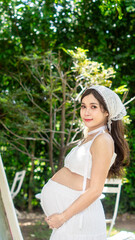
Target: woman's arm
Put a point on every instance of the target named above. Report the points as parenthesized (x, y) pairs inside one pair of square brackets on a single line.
[(101, 150)]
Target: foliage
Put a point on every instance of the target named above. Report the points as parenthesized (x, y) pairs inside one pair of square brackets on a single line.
[(37, 115), (104, 28), (92, 72)]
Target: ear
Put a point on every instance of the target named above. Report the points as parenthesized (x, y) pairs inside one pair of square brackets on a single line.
[(107, 114)]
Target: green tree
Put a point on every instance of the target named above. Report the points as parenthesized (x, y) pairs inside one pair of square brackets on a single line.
[(105, 28), (47, 95)]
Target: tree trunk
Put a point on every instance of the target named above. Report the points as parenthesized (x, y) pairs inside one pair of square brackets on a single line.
[(51, 129), (62, 149), (31, 178)]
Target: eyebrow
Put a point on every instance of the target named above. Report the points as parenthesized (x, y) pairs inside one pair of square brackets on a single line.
[(90, 103)]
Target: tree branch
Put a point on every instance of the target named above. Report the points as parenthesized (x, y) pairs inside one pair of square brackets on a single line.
[(129, 101)]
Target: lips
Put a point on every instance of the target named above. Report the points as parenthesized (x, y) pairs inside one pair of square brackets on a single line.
[(87, 120)]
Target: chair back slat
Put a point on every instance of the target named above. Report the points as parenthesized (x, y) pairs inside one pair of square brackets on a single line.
[(17, 183), (110, 190), (113, 186)]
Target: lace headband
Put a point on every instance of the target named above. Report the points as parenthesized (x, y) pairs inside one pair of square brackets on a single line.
[(114, 104)]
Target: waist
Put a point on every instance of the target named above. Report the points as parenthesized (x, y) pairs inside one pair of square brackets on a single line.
[(70, 179)]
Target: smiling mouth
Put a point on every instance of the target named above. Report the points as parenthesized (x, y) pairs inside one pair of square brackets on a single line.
[(87, 120)]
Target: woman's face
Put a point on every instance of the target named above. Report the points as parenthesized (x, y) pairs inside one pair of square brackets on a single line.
[(92, 114)]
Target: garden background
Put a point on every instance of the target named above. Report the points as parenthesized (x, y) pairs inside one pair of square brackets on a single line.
[(49, 52)]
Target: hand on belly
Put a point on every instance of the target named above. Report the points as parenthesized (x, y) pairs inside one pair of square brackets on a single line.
[(55, 220)]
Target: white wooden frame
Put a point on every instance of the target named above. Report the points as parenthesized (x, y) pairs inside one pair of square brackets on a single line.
[(113, 189), (17, 183), (9, 209), (16, 186)]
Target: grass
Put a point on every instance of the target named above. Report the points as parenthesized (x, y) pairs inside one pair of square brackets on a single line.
[(41, 231), (115, 231)]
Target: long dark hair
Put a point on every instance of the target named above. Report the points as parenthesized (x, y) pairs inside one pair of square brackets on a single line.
[(117, 133)]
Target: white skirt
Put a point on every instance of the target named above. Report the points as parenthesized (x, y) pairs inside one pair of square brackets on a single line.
[(87, 225)]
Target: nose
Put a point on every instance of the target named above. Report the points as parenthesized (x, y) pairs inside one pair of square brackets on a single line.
[(87, 112)]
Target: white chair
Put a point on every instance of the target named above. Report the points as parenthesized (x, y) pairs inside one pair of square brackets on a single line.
[(38, 196), (17, 183), (16, 186), (113, 186), (123, 235)]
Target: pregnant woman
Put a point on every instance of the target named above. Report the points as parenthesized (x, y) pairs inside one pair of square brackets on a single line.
[(70, 199)]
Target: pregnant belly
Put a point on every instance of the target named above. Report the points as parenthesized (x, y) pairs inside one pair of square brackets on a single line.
[(61, 190), (55, 197)]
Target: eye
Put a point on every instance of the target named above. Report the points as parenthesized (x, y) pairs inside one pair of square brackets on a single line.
[(82, 106), (93, 106)]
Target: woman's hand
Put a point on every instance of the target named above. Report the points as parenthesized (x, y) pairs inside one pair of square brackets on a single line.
[(55, 220)]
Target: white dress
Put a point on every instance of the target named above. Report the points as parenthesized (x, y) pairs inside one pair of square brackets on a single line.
[(55, 198)]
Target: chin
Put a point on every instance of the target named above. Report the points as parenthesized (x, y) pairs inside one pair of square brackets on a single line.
[(94, 125)]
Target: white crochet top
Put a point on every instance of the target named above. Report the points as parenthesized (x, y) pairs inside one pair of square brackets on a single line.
[(79, 159)]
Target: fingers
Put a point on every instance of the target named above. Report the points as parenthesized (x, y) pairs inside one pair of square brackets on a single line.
[(51, 227), (54, 221), (48, 220)]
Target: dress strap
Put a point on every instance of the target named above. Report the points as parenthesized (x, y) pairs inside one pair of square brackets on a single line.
[(86, 166), (85, 179), (83, 190), (96, 136)]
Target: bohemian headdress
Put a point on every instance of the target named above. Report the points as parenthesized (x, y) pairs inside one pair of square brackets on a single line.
[(115, 107)]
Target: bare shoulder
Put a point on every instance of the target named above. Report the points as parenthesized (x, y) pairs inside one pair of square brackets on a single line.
[(104, 137), (104, 140)]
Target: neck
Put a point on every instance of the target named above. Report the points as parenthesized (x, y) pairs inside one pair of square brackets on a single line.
[(97, 130)]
